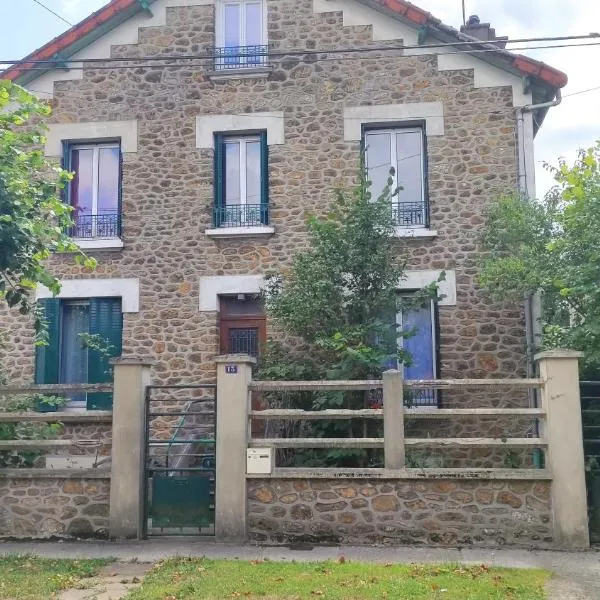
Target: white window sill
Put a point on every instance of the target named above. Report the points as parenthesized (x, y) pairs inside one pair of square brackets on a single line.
[(241, 73), (112, 244), (407, 232), (240, 232)]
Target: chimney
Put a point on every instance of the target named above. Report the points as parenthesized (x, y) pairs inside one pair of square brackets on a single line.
[(482, 31)]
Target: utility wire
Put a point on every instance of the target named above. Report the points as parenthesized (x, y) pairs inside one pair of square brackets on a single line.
[(54, 13), (176, 61), (594, 89), (491, 47)]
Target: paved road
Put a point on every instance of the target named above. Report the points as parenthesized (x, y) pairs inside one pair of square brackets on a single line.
[(577, 573)]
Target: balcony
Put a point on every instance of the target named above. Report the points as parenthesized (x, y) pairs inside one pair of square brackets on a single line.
[(241, 61), (97, 231), (412, 219), (240, 220)]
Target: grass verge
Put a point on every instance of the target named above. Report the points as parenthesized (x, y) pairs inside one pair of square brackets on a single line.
[(183, 579), (32, 578)]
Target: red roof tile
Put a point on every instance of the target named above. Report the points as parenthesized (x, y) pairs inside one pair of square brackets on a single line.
[(406, 10)]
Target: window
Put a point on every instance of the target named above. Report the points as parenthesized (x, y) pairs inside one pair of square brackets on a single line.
[(242, 325), (95, 191), (241, 181), (404, 151), (69, 357), (241, 35), (421, 344)]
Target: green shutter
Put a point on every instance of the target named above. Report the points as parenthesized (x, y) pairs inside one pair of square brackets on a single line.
[(264, 179), (120, 204), (219, 185), (106, 321), (47, 358)]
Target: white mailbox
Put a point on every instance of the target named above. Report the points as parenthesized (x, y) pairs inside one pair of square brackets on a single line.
[(260, 461)]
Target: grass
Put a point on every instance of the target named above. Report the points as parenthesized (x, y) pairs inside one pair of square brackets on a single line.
[(182, 579), (32, 578)]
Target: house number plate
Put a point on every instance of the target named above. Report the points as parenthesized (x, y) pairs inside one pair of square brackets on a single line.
[(231, 369)]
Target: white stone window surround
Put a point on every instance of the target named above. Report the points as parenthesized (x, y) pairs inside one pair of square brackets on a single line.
[(212, 287), (127, 289), (358, 118), (415, 280), (97, 131), (208, 125)]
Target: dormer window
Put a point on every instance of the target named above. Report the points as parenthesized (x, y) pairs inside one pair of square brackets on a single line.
[(241, 34)]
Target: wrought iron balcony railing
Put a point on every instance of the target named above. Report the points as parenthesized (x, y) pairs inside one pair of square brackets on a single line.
[(105, 226), (241, 215), (410, 214), (240, 57)]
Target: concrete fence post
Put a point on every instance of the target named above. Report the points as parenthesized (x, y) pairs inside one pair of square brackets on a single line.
[(393, 420), (131, 377), (563, 432), (234, 373)]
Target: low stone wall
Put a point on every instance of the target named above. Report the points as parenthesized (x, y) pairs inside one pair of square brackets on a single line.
[(35, 505), (409, 511)]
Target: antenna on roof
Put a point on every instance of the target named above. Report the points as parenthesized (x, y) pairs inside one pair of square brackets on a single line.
[(464, 12)]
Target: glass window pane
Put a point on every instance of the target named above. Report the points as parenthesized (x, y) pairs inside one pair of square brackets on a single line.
[(409, 152), (379, 161), (108, 181), (420, 345), (253, 173), (232, 25), (73, 353), (232, 173), (253, 24), (82, 163)]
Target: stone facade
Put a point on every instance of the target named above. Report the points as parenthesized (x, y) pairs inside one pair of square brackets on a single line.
[(168, 183), (447, 512), (32, 506)]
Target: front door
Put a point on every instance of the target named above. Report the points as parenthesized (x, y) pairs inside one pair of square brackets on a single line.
[(242, 325)]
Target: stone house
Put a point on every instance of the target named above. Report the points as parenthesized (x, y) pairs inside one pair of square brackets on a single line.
[(203, 132)]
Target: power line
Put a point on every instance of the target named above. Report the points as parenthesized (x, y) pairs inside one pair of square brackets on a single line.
[(38, 2), (180, 61), (594, 89), (490, 47)]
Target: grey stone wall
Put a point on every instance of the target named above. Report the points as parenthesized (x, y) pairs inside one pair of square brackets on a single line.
[(434, 512), (32, 506), (168, 184)]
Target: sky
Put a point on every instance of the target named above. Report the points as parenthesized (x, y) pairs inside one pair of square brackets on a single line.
[(572, 125)]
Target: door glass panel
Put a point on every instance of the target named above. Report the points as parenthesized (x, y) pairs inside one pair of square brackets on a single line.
[(243, 341), (232, 24), (82, 163), (73, 353), (421, 348), (232, 173), (254, 24), (108, 181), (252, 216), (409, 147), (379, 161)]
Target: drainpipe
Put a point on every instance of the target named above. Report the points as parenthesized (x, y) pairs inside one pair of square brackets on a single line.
[(533, 303)]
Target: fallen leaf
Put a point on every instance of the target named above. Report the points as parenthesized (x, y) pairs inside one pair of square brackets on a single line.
[(341, 560), (317, 593)]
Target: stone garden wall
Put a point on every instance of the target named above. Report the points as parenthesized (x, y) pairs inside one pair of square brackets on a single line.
[(433, 512), (46, 506)]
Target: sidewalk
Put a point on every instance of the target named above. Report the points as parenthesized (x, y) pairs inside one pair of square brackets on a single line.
[(577, 573)]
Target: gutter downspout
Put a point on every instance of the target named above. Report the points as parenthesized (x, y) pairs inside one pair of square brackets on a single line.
[(533, 302)]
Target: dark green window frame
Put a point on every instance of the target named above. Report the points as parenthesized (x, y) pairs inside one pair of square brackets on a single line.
[(243, 214)]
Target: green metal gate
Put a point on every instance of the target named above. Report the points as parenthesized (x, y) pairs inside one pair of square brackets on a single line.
[(180, 460), (590, 405)]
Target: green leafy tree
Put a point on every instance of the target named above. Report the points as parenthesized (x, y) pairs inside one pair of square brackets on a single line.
[(34, 222), (552, 247), (339, 300)]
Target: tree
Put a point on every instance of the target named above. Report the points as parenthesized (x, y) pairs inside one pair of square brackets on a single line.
[(552, 247), (34, 222), (339, 299), (340, 296)]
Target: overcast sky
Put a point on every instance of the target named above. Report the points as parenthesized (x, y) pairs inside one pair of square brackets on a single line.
[(574, 124)]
